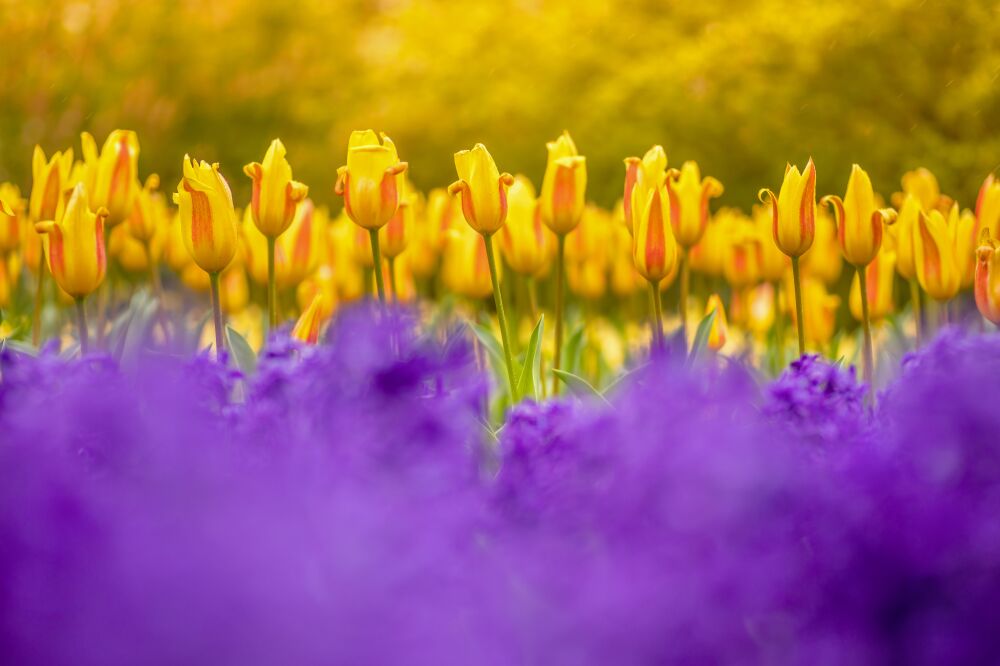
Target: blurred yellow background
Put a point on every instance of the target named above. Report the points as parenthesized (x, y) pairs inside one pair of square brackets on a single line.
[(740, 86)]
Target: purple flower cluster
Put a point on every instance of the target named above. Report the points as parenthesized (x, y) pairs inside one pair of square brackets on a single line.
[(346, 504)]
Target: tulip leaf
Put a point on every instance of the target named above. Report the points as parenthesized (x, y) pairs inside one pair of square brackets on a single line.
[(530, 380), (574, 350), (243, 354), (579, 386), (137, 329), (492, 346), (701, 336)]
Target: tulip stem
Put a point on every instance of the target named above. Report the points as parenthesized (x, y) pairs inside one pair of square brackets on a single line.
[(800, 323), (377, 260), (392, 279), (81, 324), (779, 326), (272, 291), (869, 357), (501, 316), (36, 319), (683, 300), (560, 297), (917, 315), (654, 294), (213, 280)]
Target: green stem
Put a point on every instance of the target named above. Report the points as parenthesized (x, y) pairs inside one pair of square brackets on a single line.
[(869, 356), (797, 283), (683, 300), (654, 294), (377, 261), (392, 279), (36, 320), (560, 305), (213, 279), (779, 326), (917, 314), (272, 290), (81, 324), (488, 240)]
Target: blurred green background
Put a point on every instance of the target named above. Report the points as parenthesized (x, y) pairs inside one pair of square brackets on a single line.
[(741, 86)]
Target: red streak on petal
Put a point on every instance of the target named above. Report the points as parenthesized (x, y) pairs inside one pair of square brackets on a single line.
[(201, 218), (655, 243), (120, 174), (563, 191), (57, 258)]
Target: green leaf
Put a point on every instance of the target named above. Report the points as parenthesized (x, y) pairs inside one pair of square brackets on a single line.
[(135, 334), (579, 386), (701, 336), (243, 354), (531, 372), (494, 351), (574, 350)]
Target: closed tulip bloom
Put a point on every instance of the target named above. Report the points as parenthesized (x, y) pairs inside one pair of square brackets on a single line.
[(297, 252), (11, 212), (820, 312), (394, 237), (308, 326), (564, 185), (922, 185), (793, 210), (773, 263), (275, 196), (208, 220), (707, 256), (127, 251), (115, 174), (879, 277), (717, 333), (689, 197), (483, 189), (465, 268), (49, 179), (934, 245), (637, 175), (988, 206), (901, 236), (988, 277), (75, 245), (525, 241), (966, 244), (369, 182), (741, 261), (824, 260), (148, 211), (654, 248), (859, 221)]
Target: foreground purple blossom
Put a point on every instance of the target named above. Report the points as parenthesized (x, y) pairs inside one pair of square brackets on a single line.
[(345, 505)]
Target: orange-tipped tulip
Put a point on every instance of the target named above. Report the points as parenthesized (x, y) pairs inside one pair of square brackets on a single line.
[(717, 333), (564, 185), (525, 241), (275, 196), (74, 245), (879, 278), (988, 278), (208, 221), (49, 180), (654, 248), (483, 189), (859, 221), (11, 212), (114, 174), (934, 254), (308, 326), (988, 206), (793, 210), (369, 182), (689, 197)]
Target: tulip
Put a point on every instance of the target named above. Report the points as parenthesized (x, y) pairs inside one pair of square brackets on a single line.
[(820, 312), (824, 260), (901, 236), (484, 203), (430, 228), (369, 184), (273, 201), (793, 213), (11, 212), (717, 333), (308, 326), (394, 237), (297, 252), (987, 282), (525, 241), (988, 206), (922, 185), (112, 175), (208, 226), (464, 266), (879, 279), (935, 250), (49, 180), (966, 244), (859, 225), (75, 249)]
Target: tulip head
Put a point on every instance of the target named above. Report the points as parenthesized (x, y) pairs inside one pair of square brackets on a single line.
[(369, 182), (773, 263), (654, 249), (275, 196), (901, 236), (148, 211), (637, 174), (49, 179), (483, 189), (934, 245), (208, 220), (717, 333), (564, 186), (922, 185), (525, 241), (689, 197), (75, 245), (11, 214), (987, 281), (465, 267), (859, 221), (793, 210), (879, 278), (308, 326), (116, 175), (966, 243), (988, 206)]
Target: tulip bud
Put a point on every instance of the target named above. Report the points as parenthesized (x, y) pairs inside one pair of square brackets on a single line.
[(275, 196), (988, 206), (654, 248), (901, 234), (859, 222), (689, 196), (308, 326), (369, 182), (525, 241), (75, 245), (793, 210), (465, 268), (208, 220), (966, 243), (922, 185), (717, 333), (879, 278), (49, 180), (564, 186), (637, 173), (395, 235), (148, 211), (483, 189), (11, 212), (934, 253), (987, 282), (115, 175)]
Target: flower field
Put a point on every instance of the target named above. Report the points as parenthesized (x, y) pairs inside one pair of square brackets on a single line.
[(714, 385)]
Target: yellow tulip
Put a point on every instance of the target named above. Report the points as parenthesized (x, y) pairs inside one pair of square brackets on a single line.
[(859, 220), (275, 196), (564, 185), (988, 206), (879, 278), (208, 220), (760, 310), (148, 211), (641, 176), (11, 213), (824, 260), (369, 182), (966, 243), (717, 333), (308, 326), (988, 277), (395, 235), (772, 262), (819, 312), (297, 252), (483, 189), (741, 260), (793, 210), (525, 241), (430, 228), (127, 251), (901, 236), (922, 185), (49, 180), (707, 256), (654, 248), (934, 245), (689, 196), (465, 268), (234, 292), (74, 245), (112, 175)]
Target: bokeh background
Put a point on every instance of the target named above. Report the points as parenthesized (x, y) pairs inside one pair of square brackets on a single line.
[(741, 86)]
